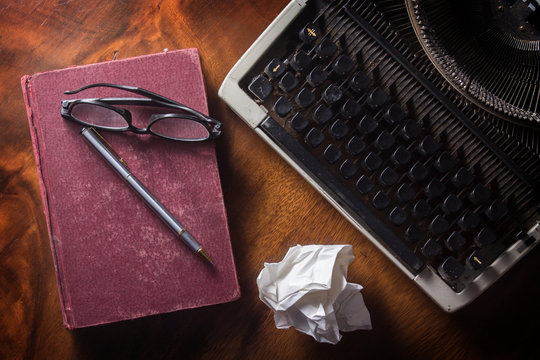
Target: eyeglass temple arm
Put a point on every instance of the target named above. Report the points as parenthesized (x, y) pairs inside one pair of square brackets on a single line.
[(139, 91), (132, 89)]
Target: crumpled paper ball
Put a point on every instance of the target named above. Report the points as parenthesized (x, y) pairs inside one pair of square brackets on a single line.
[(309, 291)]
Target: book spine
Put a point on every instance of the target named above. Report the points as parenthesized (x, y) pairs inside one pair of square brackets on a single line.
[(26, 85)]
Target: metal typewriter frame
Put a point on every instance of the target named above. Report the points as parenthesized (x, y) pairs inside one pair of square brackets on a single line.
[(253, 115)]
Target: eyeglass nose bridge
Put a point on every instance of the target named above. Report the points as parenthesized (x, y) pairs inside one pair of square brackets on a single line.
[(138, 130)]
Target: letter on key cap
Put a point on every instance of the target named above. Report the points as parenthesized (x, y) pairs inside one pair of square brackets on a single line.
[(439, 225), (377, 98), (305, 98), (316, 77), (322, 114), (309, 33), (332, 94), (288, 82), (261, 87), (326, 49), (300, 61), (348, 169), (394, 114), (485, 237), (359, 82), (397, 216), (455, 242), (314, 137), (275, 68), (431, 249), (338, 129), (451, 269), (414, 233), (282, 106), (343, 65)]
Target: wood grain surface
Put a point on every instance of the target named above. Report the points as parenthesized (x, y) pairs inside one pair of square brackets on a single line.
[(270, 208)]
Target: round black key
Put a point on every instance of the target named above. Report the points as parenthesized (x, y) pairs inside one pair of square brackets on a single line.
[(462, 178), (468, 221), (355, 145), (421, 209), (377, 98), (288, 82), (451, 269), (405, 193), (496, 211), (332, 153), (348, 169), (479, 195), (261, 87), (314, 137), (339, 129), (300, 61), (380, 200), (322, 114), (326, 49), (332, 94), (367, 125), (309, 33), (304, 98), (372, 162), (385, 140), (364, 184), (388, 177), (282, 106), (359, 82), (451, 204), (428, 146), (401, 156), (410, 130), (445, 162), (431, 249), (485, 236), (397, 216), (455, 242), (439, 225), (476, 260), (418, 172), (434, 189), (350, 109), (414, 233), (394, 114), (317, 76), (275, 68), (299, 122), (343, 65)]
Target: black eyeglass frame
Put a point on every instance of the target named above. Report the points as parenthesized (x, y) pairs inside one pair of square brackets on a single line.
[(152, 99)]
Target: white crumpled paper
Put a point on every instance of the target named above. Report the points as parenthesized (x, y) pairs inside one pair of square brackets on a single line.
[(308, 290)]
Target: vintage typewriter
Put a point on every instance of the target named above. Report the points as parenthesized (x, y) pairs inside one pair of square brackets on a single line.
[(418, 120)]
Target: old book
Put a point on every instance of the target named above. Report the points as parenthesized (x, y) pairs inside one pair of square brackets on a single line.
[(114, 258)]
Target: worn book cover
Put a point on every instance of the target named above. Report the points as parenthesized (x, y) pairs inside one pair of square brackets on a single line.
[(114, 258)]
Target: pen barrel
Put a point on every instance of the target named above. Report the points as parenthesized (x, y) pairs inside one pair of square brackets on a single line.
[(120, 167), (161, 211)]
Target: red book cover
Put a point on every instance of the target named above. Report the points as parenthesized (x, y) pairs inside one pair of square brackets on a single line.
[(114, 258)]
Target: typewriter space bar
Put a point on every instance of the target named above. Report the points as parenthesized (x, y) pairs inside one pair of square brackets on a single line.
[(341, 194)]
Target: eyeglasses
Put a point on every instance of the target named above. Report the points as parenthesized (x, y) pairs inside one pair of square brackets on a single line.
[(184, 123)]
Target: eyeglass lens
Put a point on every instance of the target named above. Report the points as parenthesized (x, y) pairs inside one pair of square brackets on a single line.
[(180, 128), (93, 114)]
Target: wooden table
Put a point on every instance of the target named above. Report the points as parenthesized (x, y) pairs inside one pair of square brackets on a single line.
[(270, 208)]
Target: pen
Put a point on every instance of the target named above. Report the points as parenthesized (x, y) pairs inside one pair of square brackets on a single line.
[(120, 166)]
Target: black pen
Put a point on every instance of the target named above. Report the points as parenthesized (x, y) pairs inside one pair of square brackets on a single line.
[(120, 166)]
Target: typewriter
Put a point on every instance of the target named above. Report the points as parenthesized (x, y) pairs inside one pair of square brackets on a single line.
[(418, 120)]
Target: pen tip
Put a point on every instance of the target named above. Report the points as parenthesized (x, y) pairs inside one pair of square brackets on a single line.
[(205, 256)]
